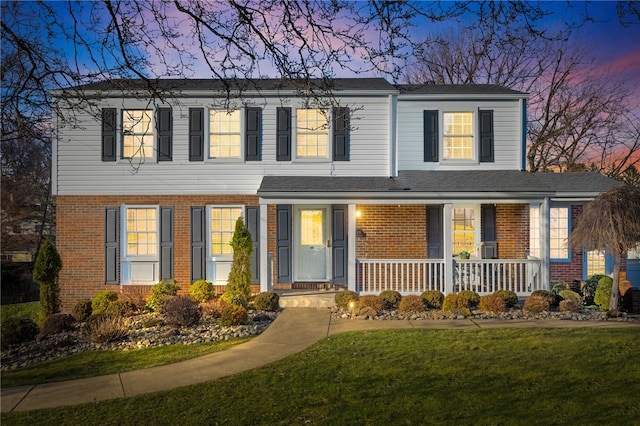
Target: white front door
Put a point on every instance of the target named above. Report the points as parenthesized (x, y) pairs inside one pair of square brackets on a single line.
[(311, 235)]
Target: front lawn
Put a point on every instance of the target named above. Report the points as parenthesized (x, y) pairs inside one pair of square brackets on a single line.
[(388, 377)]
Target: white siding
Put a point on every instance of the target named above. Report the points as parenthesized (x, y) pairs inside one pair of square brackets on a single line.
[(80, 170), (507, 118)]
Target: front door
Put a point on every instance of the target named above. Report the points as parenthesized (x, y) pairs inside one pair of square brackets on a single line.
[(311, 243)]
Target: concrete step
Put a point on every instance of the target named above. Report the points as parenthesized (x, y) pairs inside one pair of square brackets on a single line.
[(307, 299)]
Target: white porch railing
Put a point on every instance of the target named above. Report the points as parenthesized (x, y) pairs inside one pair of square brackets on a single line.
[(483, 276)]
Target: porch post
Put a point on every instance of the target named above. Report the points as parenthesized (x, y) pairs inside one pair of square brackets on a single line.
[(448, 248), (265, 279), (351, 247), (545, 270)]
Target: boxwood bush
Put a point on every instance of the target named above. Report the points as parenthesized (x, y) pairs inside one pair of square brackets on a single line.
[(267, 301), (390, 298), (432, 298), (343, 297), (202, 291), (161, 291)]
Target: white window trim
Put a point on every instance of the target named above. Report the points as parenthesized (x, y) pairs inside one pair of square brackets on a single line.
[(210, 255), (243, 131), (477, 234), (127, 260), (474, 140), (294, 137), (120, 135)]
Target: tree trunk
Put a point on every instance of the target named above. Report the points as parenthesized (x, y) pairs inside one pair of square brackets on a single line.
[(615, 288)]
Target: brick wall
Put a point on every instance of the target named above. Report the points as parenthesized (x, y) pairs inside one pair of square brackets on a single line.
[(80, 239), (512, 230)]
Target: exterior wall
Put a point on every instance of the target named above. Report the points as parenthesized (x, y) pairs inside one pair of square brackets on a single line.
[(80, 171), (80, 240), (512, 229), (507, 132)]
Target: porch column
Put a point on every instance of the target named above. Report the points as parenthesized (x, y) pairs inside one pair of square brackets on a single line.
[(351, 247), (447, 251), (545, 247), (265, 279)]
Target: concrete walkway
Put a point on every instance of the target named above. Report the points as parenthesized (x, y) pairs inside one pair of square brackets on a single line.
[(293, 330)]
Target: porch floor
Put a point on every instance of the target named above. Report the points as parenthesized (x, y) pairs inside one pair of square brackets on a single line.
[(307, 298)]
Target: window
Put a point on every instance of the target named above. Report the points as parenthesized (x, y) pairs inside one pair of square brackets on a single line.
[(312, 134), (137, 133), (464, 229), (534, 231), (559, 233), (224, 134), (458, 135), (142, 232), (222, 225), (596, 263)]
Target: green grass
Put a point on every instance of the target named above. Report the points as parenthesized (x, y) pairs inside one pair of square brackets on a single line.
[(99, 363), (20, 310), (414, 377)]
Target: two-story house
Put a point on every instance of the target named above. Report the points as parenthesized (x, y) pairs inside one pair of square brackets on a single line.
[(362, 185)]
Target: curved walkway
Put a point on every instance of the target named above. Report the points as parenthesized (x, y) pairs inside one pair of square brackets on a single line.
[(293, 330)]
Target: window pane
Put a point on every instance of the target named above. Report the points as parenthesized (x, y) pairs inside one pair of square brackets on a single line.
[(458, 135), (223, 223), (595, 263), (142, 233), (534, 231), (559, 232), (311, 228), (137, 130), (464, 227), (312, 136), (224, 134)]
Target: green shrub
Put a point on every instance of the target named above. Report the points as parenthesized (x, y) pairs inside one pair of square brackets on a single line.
[(411, 304), (492, 303), (45, 272), (105, 328), (370, 301), (589, 289), (603, 293), (390, 299), (213, 308), (160, 291), (433, 298), (57, 323), (472, 298), (510, 297), (557, 286), (569, 305), (82, 310), (102, 301), (552, 298), (536, 303), (202, 291), (18, 330), (234, 299), (570, 295), (122, 308), (343, 297), (453, 302), (267, 301), (180, 311), (234, 315)]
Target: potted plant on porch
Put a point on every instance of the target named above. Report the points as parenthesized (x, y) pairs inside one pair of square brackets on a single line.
[(464, 254)]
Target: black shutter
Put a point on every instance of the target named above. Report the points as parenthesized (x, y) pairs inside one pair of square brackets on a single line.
[(489, 235), (164, 127), (253, 224), (109, 134), (111, 245), (435, 232), (430, 136), (166, 243), (196, 134), (253, 137), (339, 244), (341, 126), (284, 242), (283, 134), (198, 246), (486, 136)]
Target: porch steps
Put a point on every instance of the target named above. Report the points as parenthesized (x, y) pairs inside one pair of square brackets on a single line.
[(307, 299)]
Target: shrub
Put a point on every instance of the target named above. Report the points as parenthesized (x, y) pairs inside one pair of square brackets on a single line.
[(180, 311), (122, 308), (82, 310), (472, 298), (342, 298), (267, 301), (160, 291), (213, 308), (570, 295), (589, 289), (136, 296), (45, 272), (557, 286), (104, 328), (367, 312), (552, 298), (239, 280), (536, 303), (492, 303), (234, 299), (432, 298), (453, 302), (370, 301), (569, 305), (202, 291), (234, 315), (510, 297), (102, 301), (18, 330), (411, 304), (390, 299), (603, 293), (57, 323)]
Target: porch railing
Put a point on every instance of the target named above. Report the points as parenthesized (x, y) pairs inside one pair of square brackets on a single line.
[(483, 276)]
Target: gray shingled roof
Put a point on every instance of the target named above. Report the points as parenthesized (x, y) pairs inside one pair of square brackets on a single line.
[(409, 183), (456, 89)]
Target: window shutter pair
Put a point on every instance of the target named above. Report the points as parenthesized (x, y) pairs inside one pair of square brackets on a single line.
[(485, 136)]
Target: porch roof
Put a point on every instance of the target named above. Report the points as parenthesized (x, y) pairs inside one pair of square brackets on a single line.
[(411, 184)]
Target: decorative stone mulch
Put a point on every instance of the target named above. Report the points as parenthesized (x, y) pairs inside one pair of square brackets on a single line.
[(64, 344)]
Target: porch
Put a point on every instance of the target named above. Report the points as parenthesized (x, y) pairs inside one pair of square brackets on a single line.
[(484, 276)]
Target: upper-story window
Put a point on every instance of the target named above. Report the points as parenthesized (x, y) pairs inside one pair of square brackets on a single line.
[(137, 133), (312, 134), (225, 139), (457, 136)]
